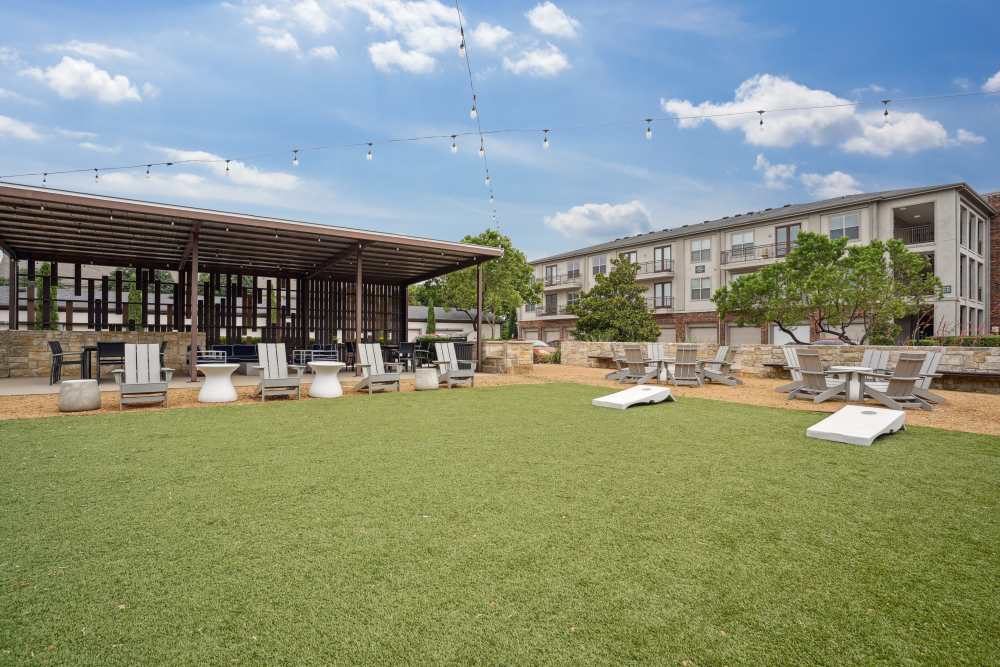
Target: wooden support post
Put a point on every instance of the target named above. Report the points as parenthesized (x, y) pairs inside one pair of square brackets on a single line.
[(479, 314), (90, 304), (359, 292), (118, 291), (30, 304), (12, 304), (31, 270), (69, 315), (47, 302), (77, 279), (156, 304), (193, 282), (103, 313)]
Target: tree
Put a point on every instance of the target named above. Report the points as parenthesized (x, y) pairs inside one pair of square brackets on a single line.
[(45, 269), (431, 317), (615, 308), (508, 282), (834, 287)]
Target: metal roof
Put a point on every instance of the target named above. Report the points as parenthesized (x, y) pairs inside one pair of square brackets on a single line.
[(767, 215), (48, 224)]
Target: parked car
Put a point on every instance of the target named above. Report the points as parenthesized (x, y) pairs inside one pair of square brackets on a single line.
[(540, 349)]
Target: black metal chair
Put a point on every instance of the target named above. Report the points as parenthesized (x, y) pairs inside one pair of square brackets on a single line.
[(407, 354), (60, 359), (110, 354)]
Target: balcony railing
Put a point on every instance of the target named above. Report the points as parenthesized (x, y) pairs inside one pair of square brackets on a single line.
[(754, 253), (915, 234), (571, 279), (660, 302), (542, 311), (661, 266)]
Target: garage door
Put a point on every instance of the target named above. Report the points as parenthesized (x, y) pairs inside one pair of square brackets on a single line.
[(744, 335), (530, 334), (551, 335), (779, 337), (703, 334), (667, 335)]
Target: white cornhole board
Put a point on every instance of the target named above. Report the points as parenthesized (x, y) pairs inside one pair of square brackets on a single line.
[(639, 395), (858, 425)]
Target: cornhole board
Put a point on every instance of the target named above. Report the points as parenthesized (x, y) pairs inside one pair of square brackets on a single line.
[(639, 395), (858, 425)]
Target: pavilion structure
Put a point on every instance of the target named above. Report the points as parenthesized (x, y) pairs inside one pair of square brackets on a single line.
[(219, 273)]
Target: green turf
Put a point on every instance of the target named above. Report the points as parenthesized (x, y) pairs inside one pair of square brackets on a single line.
[(500, 526)]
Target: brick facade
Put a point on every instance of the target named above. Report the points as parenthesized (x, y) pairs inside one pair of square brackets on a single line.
[(994, 199)]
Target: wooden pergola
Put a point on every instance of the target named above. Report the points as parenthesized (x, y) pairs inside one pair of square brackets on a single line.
[(309, 281)]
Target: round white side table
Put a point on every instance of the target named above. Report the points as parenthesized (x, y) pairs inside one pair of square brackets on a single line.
[(426, 378), (218, 387), (326, 383), (853, 375)]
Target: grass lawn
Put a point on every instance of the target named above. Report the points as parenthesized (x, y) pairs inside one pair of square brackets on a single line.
[(504, 525)]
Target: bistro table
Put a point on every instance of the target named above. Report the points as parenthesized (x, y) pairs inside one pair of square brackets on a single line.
[(218, 387), (326, 383), (853, 375)]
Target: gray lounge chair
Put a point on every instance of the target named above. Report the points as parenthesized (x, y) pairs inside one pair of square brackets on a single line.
[(877, 360), (816, 383), (618, 359), (687, 370), (656, 355), (720, 369), (274, 377), (792, 366), (142, 381), (896, 391), (927, 374), (451, 369), (637, 368), (374, 376)]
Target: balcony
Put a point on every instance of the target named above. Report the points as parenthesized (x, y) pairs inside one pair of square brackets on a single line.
[(649, 270), (754, 253), (914, 234), (660, 303), (563, 281), (550, 312)]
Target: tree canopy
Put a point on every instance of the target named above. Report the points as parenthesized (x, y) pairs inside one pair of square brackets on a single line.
[(508, 282), (615, 308), (833, 285)]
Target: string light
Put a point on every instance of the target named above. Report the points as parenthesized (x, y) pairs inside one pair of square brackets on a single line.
[(885, 112), (649, 129), (482, 148), (473, 112), (454, 144), (147, 170), (545, 139), (371, 155), (461, 45), (97, 176), (227, 167), (487, 179), (45, 178), (295, 157)]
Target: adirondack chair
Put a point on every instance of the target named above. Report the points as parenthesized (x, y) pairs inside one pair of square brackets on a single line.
[(877, 360), (374, 376), (451, 369), (816, 382), (637, 368), (927, 374), (618, 358), (656, 355), (720, 369), (792, 365), (686, 367), (897, 392), (142, 381), (274, 377)]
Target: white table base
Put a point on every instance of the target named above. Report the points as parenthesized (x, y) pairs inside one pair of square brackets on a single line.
[(218, 387), (326, 382)]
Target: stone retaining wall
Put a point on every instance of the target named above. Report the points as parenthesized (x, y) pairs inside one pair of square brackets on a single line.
[(506, 357), (26, 353), (754, 359)]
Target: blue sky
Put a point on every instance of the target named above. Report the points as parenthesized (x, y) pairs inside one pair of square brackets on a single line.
[(98, 84)]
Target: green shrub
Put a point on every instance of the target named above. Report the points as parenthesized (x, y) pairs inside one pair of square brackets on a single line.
[(959, 341)]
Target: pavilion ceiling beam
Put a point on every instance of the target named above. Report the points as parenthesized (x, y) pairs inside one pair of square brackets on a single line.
[(333, 259), (8, 249), (190, 248)]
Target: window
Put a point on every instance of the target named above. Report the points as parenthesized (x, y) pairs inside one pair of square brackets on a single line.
[(741, 244), (785, 237), (630, 256), (573, 268), (663, 295), (981, 235), (961, 275), (599, 265), (662, 260), (963, 227), (551, 274), (551, 303), (529, 307), (701, 251), (701, 289), (963, 326), (972, 232), (572, 297), (979, 280), (846, 225)]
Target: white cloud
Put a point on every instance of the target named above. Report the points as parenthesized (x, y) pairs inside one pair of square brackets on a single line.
[(828, 186), (94, 50), (98, 148), (311, 15), (389, 56), (10, 127), (15, 96), (837, 122), (239, 172), (543, 61), (428, 26), (489, 36), (9, 57), (77, 134), (776, 176), (263, 14), (73, 78), (324, 52), (150, 91), (966, 137), (992, 84), (549, 19), (601, 220), (278, 39)]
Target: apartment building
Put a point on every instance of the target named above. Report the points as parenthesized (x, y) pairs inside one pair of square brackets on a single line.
[(681, 267)]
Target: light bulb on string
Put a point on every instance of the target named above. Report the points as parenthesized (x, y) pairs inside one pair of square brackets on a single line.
[(487, 179), (147, 170), (649, 129), (454, 144), (295, 157), (97, 176), (885, 112), (761, 114), (545, 139), (45, 177), (227, 167), (482, 149), (371, 154), (473, 112)]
